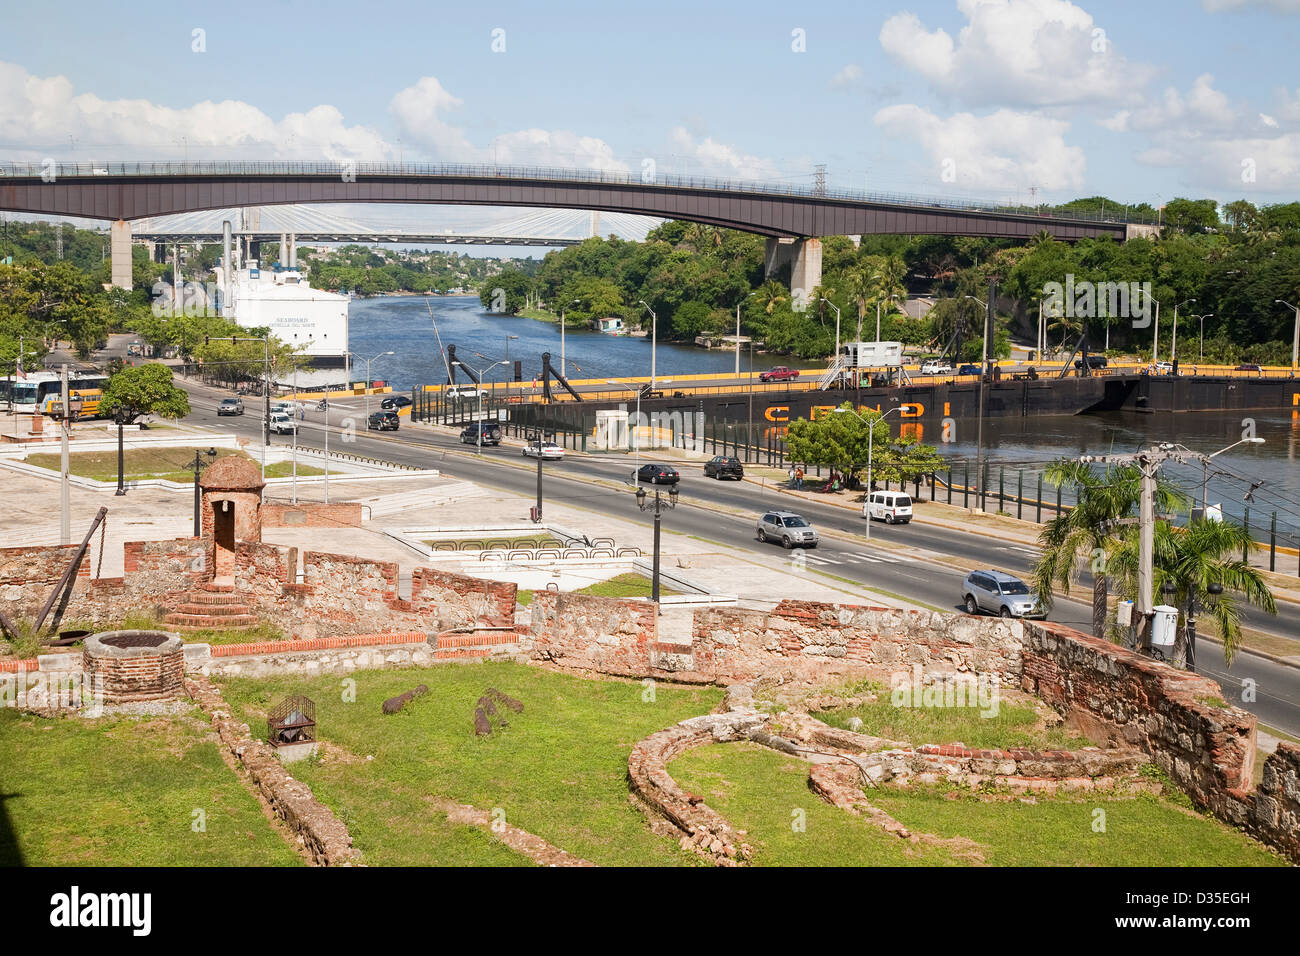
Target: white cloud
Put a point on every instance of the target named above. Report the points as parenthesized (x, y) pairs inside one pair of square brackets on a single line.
[(539, 147), (1003, 150), (44, 116), (1017, 53), (419, 110), (1268, 121), (847, 76), (712, 158)]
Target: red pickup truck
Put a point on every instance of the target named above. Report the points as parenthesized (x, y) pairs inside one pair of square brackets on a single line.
[(779, 374)]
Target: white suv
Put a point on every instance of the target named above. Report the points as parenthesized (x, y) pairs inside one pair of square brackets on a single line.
[(463, 393), (282, 424)]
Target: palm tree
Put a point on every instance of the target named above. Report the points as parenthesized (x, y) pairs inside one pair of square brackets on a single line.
[(1089, 530), (1192, 559), (771, 294), (859, 287), (889, 278)]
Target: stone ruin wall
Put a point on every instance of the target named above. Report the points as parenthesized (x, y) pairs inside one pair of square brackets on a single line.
[(1109, 693), (1105, 691)]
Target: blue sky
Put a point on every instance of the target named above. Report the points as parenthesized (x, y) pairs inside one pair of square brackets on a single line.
[(984, 98)]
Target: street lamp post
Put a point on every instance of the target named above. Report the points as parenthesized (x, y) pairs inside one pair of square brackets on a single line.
[(266, 387), (1205, 463), (563, 307), (654, 339), (482, 373), (1173, 342), (738, 304), (1200, 352), (198, 495), (871, 436), (1155, 336), (659, 505), (509, 367), (1295, 336), (369, 380)]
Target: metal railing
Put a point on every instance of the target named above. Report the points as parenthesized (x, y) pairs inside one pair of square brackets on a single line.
[(51, 172)]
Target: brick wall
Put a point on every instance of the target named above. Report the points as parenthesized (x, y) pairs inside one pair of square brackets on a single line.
[(585, 631), (312, 514)]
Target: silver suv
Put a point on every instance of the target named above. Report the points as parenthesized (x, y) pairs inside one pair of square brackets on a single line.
[(788, 528), (1000, 593)]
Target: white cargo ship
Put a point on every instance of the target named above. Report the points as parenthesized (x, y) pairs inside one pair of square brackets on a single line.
[(284, 302)]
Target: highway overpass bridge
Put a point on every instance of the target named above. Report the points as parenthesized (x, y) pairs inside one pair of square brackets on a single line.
[(122, 192)]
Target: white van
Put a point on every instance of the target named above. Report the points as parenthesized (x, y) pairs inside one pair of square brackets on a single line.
[(891, 507), (463, 393)]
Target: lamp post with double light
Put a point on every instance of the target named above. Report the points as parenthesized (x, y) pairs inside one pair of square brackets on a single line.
[(478, 422), (654, 339), (871, 436), (1295, 335), (660, 504)]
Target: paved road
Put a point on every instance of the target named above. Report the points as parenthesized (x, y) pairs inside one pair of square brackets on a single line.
[(900, 559)]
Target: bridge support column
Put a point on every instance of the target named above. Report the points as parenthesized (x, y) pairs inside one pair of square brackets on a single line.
[(776, 255), (805, 271), (119, 247)]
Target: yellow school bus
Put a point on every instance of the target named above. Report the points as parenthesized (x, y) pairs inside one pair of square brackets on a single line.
[(84, 403)]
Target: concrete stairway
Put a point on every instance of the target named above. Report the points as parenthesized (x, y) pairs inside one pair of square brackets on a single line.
[(211, 607)]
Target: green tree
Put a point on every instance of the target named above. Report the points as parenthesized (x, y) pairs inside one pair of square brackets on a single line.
[(1192, 558), (1089, 533), (144, 390)]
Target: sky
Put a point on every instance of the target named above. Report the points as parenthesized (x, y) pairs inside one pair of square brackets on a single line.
[(1027, 100)]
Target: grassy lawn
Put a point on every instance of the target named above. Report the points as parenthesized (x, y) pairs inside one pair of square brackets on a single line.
[(173, 464), (120, 792), (558, 771), (1014, 725), (759, 791), (629, 584)]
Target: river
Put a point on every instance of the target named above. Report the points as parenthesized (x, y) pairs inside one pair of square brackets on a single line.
[(402, 324)]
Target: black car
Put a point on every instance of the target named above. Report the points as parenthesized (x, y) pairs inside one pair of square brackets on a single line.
[(1094, 361), (491, 434), (383, 421), (395, 402), (658, 474), (230, 406), (723, 467)]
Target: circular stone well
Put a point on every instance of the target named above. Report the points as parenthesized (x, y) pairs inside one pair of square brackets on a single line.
[(135, 665)]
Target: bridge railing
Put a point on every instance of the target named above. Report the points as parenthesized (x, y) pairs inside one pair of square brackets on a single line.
[(52, 172)]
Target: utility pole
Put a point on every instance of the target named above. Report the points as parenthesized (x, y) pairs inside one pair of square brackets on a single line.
[(984, 376), (65, 501)]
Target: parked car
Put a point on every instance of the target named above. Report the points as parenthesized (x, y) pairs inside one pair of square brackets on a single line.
[(790, 529), (968, 369), (463, 393), (723, 467), (1165, 367), (935, 367), (230, 406), (383, 421), (1249, 367), (1000, 593), (891, 507), (657, 474), (1094, 361), (282, 424), (395, 402), (781, 373), (547, 451), (491, 434)]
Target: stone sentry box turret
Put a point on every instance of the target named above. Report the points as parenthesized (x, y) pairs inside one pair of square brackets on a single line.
[(231, 512)]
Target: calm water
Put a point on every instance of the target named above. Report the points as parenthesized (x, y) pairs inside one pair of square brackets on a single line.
[(402, 324)]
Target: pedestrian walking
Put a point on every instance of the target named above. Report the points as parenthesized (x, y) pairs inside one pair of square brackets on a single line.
[(798, 477), (789, 472)]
